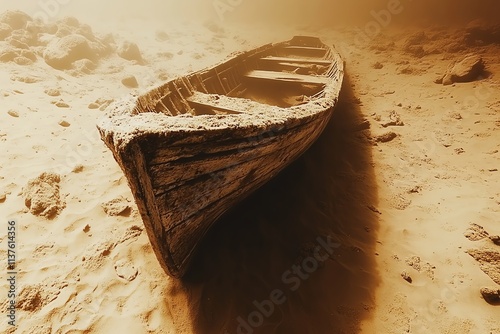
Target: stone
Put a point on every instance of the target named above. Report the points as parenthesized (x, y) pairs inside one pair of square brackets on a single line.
[(53, 92), (491, 295), (386, 137), (130, 82), (117, 207), (13, 113), (406, 277), (130, 51), (16, 19), (5, 31), (468, 69), (60, 54)]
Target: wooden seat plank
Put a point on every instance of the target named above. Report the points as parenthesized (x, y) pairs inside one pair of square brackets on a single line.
[(298, 60), (306, 48), (287, 77)]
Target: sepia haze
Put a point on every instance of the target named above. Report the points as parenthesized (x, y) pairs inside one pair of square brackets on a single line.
[(405, 176), (294, 12)]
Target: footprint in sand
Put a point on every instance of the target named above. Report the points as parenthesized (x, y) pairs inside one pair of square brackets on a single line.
[(126, 270)]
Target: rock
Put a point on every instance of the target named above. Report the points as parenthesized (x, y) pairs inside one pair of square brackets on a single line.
[(213, 27), (126, 270), (406, 276), (64, 123), (130, 82), (60, 54), (468, 69), (479, 32), (5, 31), (417, 38), (26, 79), (15, 19), (93, 105), (489, 261), (495, 239), (491, 295), (103, 103), (3, 197), (476, 232), (130, 51), (416, 51), (61, 104), (41, 195), (13, 113), (17, 43), (378, 66), (78, 169), (386, 137), (70, 21), (85, 66), (161, 36), (53, 92), (8, 53), (394, 120), (117, 207), (413, 45), (23, 61)]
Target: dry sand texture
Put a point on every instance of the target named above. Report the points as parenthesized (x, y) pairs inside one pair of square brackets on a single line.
[(401, 191)]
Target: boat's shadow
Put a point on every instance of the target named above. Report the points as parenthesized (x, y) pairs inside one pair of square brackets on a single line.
[(262, 268)]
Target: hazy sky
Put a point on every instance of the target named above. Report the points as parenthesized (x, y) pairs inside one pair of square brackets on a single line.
[(285, 11)]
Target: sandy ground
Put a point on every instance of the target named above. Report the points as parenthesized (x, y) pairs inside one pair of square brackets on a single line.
[(407, 220)]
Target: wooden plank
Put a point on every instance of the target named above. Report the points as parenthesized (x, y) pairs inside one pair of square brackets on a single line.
[(287, 77), (304, 48), (195, 104), (298, 60)]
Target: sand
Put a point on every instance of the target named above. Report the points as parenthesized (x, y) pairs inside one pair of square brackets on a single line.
[(401, 191)]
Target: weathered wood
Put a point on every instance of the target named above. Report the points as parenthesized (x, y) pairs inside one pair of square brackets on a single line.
[(298, 60), (287, 77), (190, 154)]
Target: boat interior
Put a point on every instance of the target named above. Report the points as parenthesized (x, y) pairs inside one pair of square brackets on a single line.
[(283, 75)]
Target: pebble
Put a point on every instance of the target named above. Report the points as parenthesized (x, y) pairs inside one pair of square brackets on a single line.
[(61, 104), (406, 277), (13, 113), (130, 82), (64, 123)]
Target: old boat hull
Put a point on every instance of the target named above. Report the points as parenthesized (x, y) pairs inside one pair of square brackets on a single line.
[(190, 157)]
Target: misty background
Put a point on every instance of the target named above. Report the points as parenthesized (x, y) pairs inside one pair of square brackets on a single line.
[(289, 12)]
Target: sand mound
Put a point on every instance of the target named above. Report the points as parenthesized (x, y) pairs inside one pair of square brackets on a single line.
[(42, 195)]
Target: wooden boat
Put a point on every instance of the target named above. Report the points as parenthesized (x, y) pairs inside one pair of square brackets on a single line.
[(196, 145)]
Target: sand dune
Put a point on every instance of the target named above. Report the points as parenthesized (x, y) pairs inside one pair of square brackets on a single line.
[(400, 192)]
